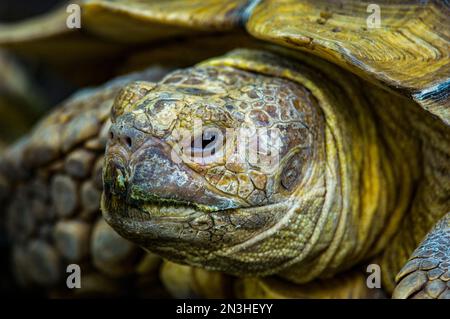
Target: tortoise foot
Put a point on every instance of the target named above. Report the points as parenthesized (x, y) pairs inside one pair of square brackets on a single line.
[(426, 274)]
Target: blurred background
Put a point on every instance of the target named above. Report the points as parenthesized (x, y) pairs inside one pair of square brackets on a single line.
[(48, 87), (27, 91), (14, 10)]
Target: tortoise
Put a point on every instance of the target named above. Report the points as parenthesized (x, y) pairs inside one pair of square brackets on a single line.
[(348, 127)]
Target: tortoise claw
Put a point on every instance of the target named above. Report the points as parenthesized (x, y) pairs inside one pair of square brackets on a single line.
[(410, 284), (426, 275)]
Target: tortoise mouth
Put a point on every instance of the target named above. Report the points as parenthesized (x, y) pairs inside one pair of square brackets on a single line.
[(180, 230), (155, 201), (153, 210), (155, 207), (124, 208), (159, 222), (149, 225), (154, 224)]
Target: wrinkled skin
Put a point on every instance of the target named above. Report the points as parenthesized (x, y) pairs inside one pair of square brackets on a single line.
[(365, 183), (359, 167), (340, 194), (195, 208)]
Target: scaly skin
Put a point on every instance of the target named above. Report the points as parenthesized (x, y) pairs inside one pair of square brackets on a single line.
[(50, 186), (426, 275), (359, 168), (158, 183)]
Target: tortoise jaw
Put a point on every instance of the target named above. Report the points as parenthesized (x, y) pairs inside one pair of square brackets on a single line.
[(157, 226), (119, 211), (177, 228)]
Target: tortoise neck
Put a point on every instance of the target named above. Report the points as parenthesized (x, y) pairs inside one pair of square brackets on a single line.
[(369, 181)]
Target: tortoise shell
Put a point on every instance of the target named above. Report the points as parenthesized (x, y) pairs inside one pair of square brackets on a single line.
[(406, 50)]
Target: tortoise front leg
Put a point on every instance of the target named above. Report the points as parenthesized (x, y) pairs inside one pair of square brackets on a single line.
[(426, 274)]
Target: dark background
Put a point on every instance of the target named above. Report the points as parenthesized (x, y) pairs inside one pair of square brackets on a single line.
[(52, 88), (13, 10)]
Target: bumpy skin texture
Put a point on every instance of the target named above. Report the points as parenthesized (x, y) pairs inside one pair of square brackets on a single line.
[(371, 165), (52, 184), (197, 193), (426, 274), (349, 199)]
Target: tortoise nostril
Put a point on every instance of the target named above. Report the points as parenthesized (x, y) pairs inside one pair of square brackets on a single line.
[(125, 136), (128, 141)]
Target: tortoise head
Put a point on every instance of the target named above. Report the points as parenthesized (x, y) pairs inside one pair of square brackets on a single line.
[(206, 161)]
